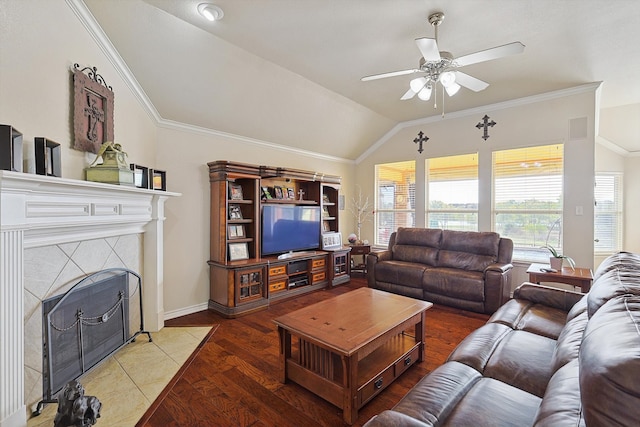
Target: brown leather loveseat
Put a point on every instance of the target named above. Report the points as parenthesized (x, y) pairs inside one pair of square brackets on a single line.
[(464, 269), (548, 357)]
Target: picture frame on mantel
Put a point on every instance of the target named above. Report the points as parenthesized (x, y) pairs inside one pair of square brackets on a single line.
[(158, 180), (10, 148), (140, 175), (47, 157)]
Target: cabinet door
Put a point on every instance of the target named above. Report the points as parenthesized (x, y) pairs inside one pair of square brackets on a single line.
[(249, 284)]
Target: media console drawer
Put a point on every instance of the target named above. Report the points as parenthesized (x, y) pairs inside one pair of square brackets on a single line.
[(278, 286), (279, 270), (318, 263)]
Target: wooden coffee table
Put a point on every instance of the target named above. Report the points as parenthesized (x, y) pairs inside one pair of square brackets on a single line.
[(349, 348)]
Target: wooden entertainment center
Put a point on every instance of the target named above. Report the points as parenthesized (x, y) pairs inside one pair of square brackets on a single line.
[(242, 279)]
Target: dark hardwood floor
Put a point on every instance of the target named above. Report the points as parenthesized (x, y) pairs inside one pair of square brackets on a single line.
[(233, 379)]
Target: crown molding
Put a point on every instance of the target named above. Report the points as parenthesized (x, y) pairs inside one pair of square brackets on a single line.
[(183, 127), (100, 37), (586, 88)]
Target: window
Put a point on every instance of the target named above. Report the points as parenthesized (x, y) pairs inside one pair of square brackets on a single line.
[(527, 198), (608, 213), (452, 192), (395, 199)]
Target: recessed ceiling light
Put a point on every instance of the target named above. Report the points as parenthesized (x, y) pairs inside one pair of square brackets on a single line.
[(210, 11)]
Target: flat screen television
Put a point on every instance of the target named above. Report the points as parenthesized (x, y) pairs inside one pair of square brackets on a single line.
[(288, 228)]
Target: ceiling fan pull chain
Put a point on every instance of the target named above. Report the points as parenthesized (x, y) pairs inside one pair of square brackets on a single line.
[(443, 102)]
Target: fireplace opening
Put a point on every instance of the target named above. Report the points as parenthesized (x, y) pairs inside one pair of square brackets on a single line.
[(87, 324)]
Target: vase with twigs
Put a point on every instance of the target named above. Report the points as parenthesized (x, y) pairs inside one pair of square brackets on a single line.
[(362, 211)]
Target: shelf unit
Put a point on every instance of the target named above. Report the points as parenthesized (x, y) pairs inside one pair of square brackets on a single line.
[(241, 279)]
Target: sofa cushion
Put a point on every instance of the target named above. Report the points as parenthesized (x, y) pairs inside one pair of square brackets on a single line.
[(618, 261), (518, 358), (418, 254), (466, 285), (561, 405), (614, 282), (402, 272), (419, 245), (610, 364), (468, 250), (528, 316), (568, 344)]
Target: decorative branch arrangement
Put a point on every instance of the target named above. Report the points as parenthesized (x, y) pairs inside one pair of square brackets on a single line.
[(361, 209)]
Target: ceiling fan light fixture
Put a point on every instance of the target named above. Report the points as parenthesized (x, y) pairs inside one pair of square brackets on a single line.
[(452, 89), (448, 78), (211, 12), (425, 93), (417, 84)]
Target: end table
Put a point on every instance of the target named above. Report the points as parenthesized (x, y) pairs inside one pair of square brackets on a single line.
[(361, 250), (581, 277)]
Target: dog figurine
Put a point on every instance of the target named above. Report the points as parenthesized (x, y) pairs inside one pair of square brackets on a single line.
[(75, 409)]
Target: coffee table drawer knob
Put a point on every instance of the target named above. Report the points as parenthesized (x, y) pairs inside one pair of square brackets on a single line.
[(378, 383), (407, 361)]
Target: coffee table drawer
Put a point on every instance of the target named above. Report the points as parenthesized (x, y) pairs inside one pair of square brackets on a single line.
[(376, 385), (405, 362)]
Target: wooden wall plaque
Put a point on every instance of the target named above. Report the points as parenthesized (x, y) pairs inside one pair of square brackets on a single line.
[(92, 110)]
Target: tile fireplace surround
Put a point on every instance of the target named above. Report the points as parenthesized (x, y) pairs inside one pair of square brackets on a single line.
[(60, 228)]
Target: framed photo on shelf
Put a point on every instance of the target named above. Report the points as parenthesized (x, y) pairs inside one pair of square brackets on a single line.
[(325, 226), (278, 192), (236, 231), (325, 198), (235, 212), (140, 175), (266, 194), (235, 191), (291, 193), (158, 179), (47, 157), (238, 251)]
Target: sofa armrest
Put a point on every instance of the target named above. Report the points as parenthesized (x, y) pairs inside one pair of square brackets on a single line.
[(390, 418), (546, 295), (502, 268), (497, 285), (372, 259)]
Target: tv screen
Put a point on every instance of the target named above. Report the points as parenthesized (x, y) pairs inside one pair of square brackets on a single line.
[(287, 228)]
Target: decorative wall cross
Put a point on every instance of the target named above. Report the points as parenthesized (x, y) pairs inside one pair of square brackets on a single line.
[(419, 140), (485, 124), (95, 114)]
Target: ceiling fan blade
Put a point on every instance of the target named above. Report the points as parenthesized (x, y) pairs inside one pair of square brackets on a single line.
[(408, 95), (470, 82), (429, 48), (391, 74), (490, 54)]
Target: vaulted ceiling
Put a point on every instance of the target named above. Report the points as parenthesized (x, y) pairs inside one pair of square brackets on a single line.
[(288, 71)]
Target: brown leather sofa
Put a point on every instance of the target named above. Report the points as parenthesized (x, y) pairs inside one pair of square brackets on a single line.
[(463, 269), (548, 357)]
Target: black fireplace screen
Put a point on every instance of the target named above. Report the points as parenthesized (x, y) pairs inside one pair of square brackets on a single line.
[(87, 324)]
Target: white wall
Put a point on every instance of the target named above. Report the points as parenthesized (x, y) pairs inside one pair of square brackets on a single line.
[(520, 123)]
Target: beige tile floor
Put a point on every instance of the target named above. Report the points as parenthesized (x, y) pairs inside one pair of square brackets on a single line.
[(127, 383)]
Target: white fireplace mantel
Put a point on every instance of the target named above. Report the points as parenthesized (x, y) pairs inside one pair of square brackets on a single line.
[(36, 211)]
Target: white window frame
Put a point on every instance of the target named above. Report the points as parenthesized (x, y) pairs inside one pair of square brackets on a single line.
[(383, 231), (615, 209)]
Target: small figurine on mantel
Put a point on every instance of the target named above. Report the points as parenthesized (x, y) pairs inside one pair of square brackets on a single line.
[(113, 169)]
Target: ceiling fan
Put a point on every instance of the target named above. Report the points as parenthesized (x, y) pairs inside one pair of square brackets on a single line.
[(441, 66)]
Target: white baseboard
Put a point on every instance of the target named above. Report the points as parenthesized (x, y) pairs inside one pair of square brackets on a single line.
[(184, 311)]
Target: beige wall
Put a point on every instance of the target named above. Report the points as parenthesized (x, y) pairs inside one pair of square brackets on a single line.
[(185, 156), (518, 125), (631, 204), (39, 43)]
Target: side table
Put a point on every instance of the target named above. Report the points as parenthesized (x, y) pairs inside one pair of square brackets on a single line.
[(581, 277), (361, 250)]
